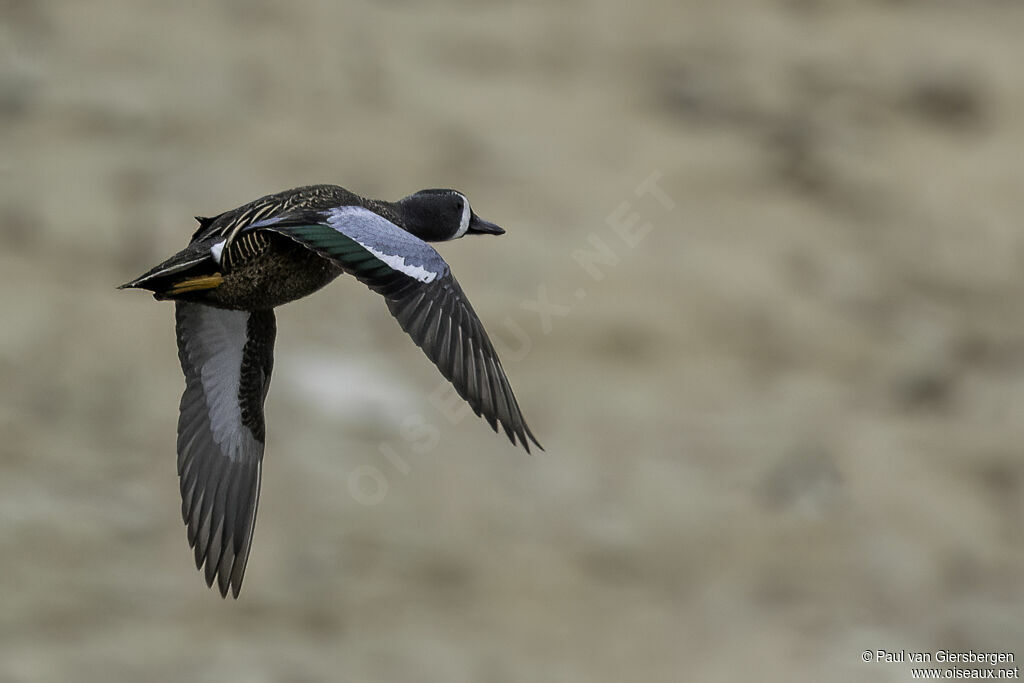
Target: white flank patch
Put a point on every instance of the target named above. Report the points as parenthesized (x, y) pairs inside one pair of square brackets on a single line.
[(216, 250), (466, 214), (398, 263)]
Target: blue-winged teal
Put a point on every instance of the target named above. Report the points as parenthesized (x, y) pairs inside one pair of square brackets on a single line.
[(225, 284)]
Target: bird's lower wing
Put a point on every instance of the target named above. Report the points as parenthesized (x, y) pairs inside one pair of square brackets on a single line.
[(227, 358), (424, 297)]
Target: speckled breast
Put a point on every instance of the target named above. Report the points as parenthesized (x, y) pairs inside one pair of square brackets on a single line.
[(264, 269)]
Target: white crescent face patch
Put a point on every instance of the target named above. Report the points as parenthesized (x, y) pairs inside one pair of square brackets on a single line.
[(467, 214)]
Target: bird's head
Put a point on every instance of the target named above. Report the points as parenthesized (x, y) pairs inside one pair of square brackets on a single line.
[(439, 215)]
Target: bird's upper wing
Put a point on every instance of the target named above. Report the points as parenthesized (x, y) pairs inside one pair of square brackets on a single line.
[(311, 197), (227, 357), (424, 297)]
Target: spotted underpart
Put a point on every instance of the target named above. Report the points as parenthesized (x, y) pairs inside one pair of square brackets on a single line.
[(251, 281)]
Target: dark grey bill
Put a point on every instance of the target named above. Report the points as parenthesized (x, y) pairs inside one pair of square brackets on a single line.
[(478, 226)]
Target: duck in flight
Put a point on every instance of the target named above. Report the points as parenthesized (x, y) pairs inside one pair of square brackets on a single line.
[(243, 263)]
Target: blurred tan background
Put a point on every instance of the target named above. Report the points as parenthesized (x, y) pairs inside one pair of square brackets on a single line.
[(782, 427)]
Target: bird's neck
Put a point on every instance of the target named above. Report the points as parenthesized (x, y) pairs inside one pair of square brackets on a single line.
[(389, 210)]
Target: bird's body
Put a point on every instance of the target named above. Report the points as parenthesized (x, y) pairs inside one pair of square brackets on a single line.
[(260, 269), (242, 264)]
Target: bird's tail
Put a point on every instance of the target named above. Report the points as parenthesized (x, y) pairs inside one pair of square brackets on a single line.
[(186, 271)]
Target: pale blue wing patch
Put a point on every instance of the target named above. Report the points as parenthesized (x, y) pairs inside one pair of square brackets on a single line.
[(397, 248)]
